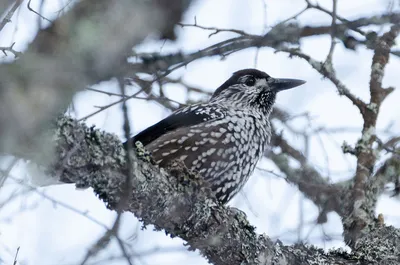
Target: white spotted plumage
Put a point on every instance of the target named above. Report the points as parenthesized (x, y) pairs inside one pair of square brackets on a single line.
[(223, 139), (234, 139)]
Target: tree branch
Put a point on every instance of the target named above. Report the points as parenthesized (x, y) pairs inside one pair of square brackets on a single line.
[(86, 45), (278, 36), (175, 201), (361, 214)]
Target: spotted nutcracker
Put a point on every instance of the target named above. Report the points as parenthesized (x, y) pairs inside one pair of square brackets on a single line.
[(224, 138)]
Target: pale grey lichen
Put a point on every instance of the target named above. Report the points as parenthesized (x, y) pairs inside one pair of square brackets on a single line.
[(377, 72), (348, 149), (373, 107), (381, 245), (363, 144), (182, 207), (368, 134), (315, 64)]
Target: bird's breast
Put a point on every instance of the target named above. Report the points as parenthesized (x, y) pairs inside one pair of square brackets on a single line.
[(224, 151)]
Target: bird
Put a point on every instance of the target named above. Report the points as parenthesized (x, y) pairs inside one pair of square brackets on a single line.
[(223, 139)]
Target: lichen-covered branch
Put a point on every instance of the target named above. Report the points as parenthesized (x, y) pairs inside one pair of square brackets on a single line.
[(90, 43), (174, 200), (360, 213)]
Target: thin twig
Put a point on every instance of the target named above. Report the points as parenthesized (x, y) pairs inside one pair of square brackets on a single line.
[(342, 19), (10, 49), (128, 181), (10, 13), (5, 173), (16, 256), (37, 13), (328, 60), (60, 203), (126, 191), (105, 92), (295, 16), (102, 108), (216, 30), (328, 73)]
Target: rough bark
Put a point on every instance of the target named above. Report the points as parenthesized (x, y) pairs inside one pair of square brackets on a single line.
[(174, 201), (90, 44)]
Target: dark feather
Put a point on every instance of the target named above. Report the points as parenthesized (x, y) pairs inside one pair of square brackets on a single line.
[(185, 117), (234, 79)]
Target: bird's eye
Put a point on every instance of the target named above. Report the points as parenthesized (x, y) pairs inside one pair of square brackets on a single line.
[(250, 81)]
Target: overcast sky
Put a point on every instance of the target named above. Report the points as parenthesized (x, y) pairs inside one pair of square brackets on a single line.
[(48, 232)]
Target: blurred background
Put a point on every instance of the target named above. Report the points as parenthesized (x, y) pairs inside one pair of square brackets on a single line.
[(57, 224)]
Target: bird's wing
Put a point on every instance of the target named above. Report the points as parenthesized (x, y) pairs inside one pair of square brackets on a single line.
[(189, 116)]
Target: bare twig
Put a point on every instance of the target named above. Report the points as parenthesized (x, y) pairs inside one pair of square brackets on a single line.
[(329, 73), (275, 38), (124, 196), (131, 165), (60, 203), (102, 108), (295, 16), (328, 60), (389, 145), (105, 92), (342, 19), (4, 173), (306, 178), (215, 29), (10, 49), (16, 257), (10, 13), (37, 13)]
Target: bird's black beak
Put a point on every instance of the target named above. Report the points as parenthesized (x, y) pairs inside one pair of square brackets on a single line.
[(279, 84)]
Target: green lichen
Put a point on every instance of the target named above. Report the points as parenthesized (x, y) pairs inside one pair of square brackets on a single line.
[(142, 153)]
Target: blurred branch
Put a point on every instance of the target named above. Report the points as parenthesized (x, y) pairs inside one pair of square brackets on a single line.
[(188, 87), (328, 59), (86, 45), (390, 145), (4, 173), (333, 14), (277, 37), (215, 29), (388, 172), (328, 197), (10, 13)]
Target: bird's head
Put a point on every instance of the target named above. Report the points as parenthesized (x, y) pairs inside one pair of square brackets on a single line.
[(251, 88)]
